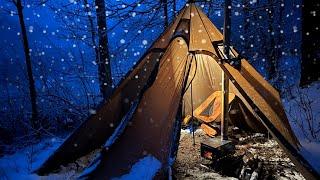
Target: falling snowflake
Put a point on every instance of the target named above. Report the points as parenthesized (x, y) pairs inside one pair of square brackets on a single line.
[(92, 111), (31, 29), (144, 42)]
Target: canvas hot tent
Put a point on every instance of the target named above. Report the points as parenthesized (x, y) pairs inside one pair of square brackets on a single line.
[(180, 71)]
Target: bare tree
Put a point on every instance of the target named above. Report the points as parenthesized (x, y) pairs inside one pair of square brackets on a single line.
[(104, 65), (174, 4), (310, 63), (32, 88), (165, 13), (301, 112), (246, 23)]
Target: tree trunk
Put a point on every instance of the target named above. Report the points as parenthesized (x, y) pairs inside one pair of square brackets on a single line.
[(92, 30), (246, 40), (104, 67), (32, 88), (280, 47), (174, 8), (272, 51), (165, 13), (310, 50), (93, 38)]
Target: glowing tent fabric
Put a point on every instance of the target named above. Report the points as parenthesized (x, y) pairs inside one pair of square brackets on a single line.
[(156, 95)]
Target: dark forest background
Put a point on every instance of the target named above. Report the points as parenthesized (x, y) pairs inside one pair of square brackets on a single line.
[(60, 59)]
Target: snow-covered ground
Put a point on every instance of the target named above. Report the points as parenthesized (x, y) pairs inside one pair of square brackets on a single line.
[(146, 168), (302, 108), (21, 164), (303, 111)]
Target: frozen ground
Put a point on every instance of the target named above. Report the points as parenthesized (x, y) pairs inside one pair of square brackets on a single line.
[(303, 110), (21, 164), (189, 164), (251, 150), (146, 168)]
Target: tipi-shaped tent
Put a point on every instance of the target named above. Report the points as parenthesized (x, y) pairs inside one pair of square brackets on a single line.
[(146, 109)]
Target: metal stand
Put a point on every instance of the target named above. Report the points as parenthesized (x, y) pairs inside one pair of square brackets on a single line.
[(224, 77), (216, 148), (225, 106)]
